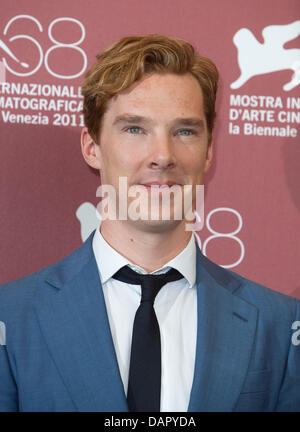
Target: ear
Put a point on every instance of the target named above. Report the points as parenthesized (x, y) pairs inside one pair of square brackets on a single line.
[(209, 156), (90, 149)]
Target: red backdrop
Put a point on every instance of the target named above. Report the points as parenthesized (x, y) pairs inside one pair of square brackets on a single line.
[(252, 190)]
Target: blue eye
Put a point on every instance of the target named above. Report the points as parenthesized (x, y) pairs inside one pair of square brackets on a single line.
[(134, 130), (186, 132)]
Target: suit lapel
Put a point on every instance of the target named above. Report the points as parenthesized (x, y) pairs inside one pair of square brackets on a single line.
[(74, 322), (225, 335)]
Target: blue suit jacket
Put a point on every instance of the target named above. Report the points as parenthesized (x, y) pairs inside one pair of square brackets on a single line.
[(59, 353)]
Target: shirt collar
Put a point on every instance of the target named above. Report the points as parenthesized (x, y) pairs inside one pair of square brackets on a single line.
[(109, 261)]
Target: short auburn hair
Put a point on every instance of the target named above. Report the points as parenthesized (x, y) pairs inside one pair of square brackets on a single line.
[(127, 60)]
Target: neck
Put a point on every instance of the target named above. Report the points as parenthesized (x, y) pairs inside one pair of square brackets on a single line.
[(149, 249)]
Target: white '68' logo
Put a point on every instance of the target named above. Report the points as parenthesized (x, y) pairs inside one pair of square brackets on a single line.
[(42, 57), (231, 235)]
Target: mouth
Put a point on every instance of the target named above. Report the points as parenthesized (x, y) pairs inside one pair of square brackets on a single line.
[(165, 185), (161, 188)]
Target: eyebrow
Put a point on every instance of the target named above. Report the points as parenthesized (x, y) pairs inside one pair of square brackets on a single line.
[(130, 118), (197, 122)]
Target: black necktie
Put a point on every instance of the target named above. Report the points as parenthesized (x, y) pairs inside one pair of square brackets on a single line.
[(145, 360)]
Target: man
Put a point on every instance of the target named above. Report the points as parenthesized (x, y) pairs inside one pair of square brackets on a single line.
[(96, 331)]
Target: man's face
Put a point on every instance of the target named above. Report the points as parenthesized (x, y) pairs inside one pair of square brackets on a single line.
[(155, 132)]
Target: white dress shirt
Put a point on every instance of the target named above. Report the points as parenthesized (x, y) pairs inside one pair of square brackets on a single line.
[(176, 310)]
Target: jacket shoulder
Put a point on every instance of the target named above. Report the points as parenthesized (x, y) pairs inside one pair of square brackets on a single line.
[(255, 293), (21, 290), (262, 294)]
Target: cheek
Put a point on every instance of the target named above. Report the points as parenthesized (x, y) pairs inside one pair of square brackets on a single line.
[(194, 162), (120, 164)]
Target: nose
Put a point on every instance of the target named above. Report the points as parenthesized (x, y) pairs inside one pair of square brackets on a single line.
[(162, 154)]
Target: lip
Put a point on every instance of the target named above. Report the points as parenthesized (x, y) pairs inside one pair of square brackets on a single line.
[(160, 183)]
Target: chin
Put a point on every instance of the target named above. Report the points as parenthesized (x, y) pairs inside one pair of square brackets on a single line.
[(156, 226)]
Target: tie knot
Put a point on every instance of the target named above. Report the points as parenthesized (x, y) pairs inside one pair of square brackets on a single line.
[(150, 283)]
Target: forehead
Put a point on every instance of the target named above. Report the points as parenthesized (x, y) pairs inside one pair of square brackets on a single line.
[(165, 95)]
